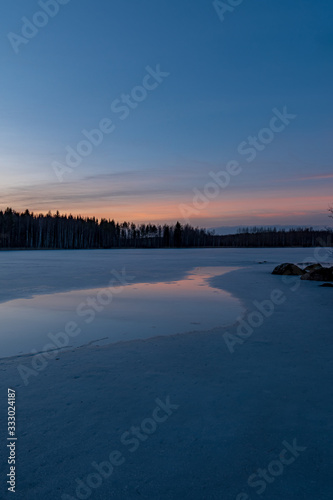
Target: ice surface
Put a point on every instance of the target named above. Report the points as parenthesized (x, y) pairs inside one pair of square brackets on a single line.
[(134, 311), (235, 410)]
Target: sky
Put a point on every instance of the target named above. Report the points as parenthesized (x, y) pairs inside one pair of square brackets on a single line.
[(213, 114)]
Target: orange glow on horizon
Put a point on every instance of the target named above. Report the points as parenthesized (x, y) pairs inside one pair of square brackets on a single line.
[(167, 211), (228, 208)]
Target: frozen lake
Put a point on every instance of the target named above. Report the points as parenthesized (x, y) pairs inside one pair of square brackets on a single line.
[(104, 296), (117, 313), (233, 410)]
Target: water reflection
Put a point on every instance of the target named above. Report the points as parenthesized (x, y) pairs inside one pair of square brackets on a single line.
[(139, 310)]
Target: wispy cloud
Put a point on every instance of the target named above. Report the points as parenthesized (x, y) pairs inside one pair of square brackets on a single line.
[(317, 177), (154, 196)]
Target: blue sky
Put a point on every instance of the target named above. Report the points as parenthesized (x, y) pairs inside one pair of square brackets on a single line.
[(225, 78)]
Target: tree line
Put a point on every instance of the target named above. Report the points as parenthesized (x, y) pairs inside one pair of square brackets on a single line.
[(27, 230)]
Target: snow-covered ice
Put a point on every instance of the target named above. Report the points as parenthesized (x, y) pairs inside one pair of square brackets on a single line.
[(231, 414)]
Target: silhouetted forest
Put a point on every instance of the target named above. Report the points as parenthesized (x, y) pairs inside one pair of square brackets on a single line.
[(27, 230)]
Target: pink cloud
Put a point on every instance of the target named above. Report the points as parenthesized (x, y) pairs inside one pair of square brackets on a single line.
[(316, 177)]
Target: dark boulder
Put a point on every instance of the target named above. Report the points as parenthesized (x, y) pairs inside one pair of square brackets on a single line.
[(327, 285), (323, 274), (313, 267), (288, 269)]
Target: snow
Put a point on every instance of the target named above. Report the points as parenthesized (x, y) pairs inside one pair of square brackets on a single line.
[(232, 412)]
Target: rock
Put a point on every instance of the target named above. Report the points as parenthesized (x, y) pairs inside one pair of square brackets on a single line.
[(323, 274), (288, 269), (327, 285), (313, 267)]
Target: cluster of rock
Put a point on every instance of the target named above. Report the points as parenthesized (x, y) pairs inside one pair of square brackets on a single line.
[(313, 272)]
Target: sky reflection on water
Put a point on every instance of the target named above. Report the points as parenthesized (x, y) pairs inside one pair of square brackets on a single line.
[(140, 310)]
